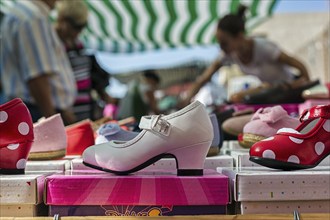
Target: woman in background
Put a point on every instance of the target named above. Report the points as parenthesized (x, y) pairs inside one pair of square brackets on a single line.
[(254, 56)]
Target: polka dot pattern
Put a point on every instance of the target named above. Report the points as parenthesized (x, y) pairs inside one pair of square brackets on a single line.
[(16, 135), (3, 116), (319, 148), (268, 139), (23, 128), (326, 126), (13, 146), (296, 140), (306, 116), (269, 154), (21, 164), (287, 130), (294, 159)]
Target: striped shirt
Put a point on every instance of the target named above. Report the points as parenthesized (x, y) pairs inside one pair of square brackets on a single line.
[(30, 48), (89, 77)]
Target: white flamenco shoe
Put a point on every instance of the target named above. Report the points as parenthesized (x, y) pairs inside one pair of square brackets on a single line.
[(185, 135)]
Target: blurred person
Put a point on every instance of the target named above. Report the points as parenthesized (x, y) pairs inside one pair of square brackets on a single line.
[(254, 56), (72, 18), (139, 99), (34, 65)]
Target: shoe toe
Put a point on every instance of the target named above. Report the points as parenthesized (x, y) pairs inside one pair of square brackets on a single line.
[(263, 149), (89, 156)]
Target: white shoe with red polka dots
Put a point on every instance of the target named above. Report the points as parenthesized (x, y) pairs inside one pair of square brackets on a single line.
[(16, 137), (300, 148)]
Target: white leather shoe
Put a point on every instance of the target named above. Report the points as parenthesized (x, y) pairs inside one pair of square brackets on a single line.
[(186, 135)]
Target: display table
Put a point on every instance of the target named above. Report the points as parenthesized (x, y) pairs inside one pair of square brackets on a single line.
[(201, 217)]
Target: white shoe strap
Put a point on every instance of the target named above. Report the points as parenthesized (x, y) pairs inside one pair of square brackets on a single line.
[(155, 123)]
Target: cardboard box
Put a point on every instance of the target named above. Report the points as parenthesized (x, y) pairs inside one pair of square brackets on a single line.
[(23, 210), (233, 149), (22, 195), (274, 185), (48, 165), (285, 207), (170, 163), (143, 193), (109, 210), (22, 189), (243, 163)]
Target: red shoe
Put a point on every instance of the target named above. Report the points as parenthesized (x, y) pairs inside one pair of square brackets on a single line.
[(16, 137), (302, 148), (79, 136)]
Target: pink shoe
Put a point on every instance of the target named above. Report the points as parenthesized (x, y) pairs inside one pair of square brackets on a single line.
[(16, 136), (49, 139), (264, 123), (186, 135), (300, 148)]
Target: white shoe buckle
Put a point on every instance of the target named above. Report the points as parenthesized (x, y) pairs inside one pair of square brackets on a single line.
[(161, 126)]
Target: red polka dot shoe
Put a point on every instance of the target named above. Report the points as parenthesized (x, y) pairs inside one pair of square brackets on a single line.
[(16, 137), (302, 148)]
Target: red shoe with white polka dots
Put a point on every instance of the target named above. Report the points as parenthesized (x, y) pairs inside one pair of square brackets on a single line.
[(302, 148), (16, 129)]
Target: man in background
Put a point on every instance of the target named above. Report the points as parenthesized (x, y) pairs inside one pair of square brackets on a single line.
[(34, 65)]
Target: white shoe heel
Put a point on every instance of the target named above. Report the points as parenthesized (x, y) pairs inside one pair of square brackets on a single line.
[(190, 159)]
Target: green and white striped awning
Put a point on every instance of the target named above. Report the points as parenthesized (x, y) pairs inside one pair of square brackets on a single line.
[(121, 26)]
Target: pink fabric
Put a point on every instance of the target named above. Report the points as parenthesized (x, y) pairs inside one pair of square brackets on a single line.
[(110, 110), (144, 188), (266, 121), (311, 103), (83, 98), (49, 134), (84, 84), (291, 109)]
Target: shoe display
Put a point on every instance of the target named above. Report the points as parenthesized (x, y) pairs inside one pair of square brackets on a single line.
[(300, 148), (50, 139), (186, 135), (265, 123), (16, 129)]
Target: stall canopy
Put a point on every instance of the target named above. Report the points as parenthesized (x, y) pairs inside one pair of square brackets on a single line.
[(124, 26)]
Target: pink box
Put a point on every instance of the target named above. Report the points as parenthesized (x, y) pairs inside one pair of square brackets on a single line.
[(120, 210), (141, 188)]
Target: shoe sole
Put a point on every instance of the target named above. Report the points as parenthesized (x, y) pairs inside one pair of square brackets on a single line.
[(275, 164), (181, 172), (213, 151), (12, 171), (250, 139), (47, 155)]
